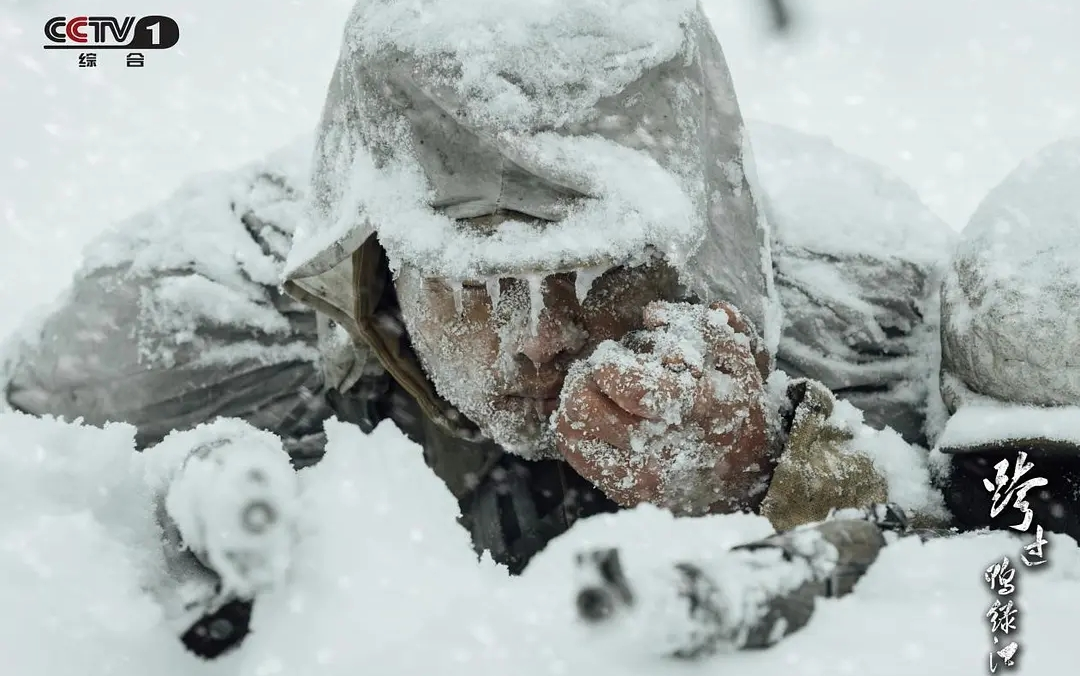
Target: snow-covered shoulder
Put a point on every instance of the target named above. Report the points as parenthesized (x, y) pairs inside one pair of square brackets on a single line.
[(183, 296), (825, 200), (224, 225)]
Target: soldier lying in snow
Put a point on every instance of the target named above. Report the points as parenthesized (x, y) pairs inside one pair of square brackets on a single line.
[(554, 276)]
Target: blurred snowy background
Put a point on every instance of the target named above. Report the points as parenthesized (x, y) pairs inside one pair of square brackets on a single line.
[(948, 95)]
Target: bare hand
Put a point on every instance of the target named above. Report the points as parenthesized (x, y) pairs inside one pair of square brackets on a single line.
[(674, 415)]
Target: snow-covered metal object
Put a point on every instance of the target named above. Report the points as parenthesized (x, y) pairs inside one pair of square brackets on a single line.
[(234, 506), (749, 598), (232, 495)]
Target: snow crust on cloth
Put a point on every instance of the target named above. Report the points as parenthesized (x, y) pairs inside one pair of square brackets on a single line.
[(200, 264), (639, 148), (174, 301), (384, 580), (220, 269), (525, 65), (1010, 325), (858, 261)]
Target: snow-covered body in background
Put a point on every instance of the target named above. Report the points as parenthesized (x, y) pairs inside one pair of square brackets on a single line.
[(1010, 335), (1009, 302), (858, 260)]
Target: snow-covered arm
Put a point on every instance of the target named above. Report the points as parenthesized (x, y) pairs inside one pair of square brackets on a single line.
[(176, 318)]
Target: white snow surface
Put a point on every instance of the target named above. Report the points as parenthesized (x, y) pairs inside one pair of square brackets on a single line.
[(989, 422), (383, 580)]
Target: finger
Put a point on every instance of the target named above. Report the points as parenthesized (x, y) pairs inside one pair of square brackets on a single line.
[(639, 342), (735, 318), (725, 420), (737, 430), (626, 483), (587, 413), (647, 390), (734, 358), (627, 478), (740, 324)]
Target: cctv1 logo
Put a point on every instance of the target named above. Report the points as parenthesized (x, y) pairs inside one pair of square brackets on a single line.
[(110, 32)]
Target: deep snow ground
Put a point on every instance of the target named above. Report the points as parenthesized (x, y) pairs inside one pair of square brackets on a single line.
[(384, 581)]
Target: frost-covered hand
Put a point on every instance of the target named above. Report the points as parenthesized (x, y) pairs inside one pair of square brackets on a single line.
[(675, 415)]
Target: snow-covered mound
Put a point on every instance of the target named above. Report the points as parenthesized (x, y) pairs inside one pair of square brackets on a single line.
[(1011, 330), (857, 258), (384, 581)]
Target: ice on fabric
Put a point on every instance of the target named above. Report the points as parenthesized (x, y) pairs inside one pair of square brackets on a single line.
[(1010, 328), (206, 256), (640, 153), (198, 227), (858, 261), (213, 249), (637, 205)]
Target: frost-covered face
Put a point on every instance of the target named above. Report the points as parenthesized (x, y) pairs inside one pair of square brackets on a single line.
[(500, 350)]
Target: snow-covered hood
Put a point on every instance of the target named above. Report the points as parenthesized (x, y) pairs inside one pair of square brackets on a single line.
[(609, 128)]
